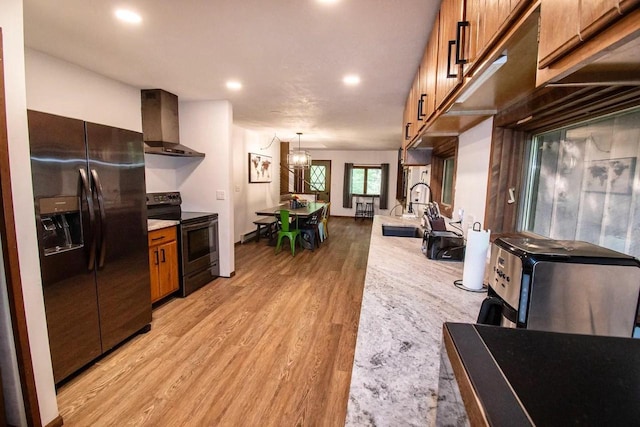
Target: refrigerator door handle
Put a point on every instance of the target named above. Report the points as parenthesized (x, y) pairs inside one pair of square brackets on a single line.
[(103, 218), (86, 189)]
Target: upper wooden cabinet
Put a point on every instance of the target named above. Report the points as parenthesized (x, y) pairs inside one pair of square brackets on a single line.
[(410, 116), (560, 33), (594, 15), (450, 52), (486, 21), (428, 72)]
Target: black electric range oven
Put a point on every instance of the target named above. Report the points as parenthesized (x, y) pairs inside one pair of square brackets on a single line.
[(197, 240)]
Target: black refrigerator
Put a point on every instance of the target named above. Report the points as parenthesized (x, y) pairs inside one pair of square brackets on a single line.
[(90, 203)]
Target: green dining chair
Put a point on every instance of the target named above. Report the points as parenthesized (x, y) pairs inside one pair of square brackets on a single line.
[(286, 231)]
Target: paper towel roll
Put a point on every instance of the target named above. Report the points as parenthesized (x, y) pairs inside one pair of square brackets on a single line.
[(475, 257)]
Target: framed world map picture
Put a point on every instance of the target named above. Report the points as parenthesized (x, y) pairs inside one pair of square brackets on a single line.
[(259, 168), (612, 176)]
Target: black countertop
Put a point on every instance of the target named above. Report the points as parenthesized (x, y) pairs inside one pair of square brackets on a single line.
[(519, 377)]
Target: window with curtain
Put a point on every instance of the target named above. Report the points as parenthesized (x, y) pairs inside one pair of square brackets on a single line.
[(366, 180), (583, 183)]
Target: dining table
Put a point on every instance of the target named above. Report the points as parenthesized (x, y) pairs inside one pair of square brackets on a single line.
[(299, 213), (302, 212)]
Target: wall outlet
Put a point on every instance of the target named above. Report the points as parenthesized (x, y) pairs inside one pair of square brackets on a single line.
[(219, 194), (237, 188)]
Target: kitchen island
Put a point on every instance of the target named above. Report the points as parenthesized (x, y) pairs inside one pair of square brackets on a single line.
[(407, 298)]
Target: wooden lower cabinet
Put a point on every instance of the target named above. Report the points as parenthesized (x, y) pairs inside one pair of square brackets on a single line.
[(163, 262)]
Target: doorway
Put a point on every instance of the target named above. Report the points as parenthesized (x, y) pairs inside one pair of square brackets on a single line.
[(318, 179)]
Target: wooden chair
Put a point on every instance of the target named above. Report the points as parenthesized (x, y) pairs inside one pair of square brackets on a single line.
[(323, 227), (287, 231), (310, 231)]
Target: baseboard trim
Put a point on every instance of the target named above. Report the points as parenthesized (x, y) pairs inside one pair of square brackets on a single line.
[(56, 422)]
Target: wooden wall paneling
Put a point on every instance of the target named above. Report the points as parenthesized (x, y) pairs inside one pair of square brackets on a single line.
[(441, 151), (12, 267), (505, 172), (554, 107), (400, 183), (284, 172), (437, 168)]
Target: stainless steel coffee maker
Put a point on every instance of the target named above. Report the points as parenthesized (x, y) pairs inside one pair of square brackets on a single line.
[(561, 286)]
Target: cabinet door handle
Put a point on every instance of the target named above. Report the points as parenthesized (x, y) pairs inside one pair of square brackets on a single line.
[(461, 25), (450, 75), (406, 131), (421, 107), (157, 258), (163, 257), (157, 238)]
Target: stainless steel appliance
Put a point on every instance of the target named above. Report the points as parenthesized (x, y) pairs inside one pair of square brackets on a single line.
[(561, 286), (160, 124), (199, 253), (443, 245), (89, 188)]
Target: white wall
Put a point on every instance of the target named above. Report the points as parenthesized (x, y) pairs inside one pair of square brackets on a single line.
[(339, 158), (205, 126), (248, 198), (419, 196), (474, 149), (16, 105), (160, 172), (58, 87)]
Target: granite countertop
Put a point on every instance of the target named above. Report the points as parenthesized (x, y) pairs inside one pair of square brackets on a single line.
[(157, 224), (407, 298)]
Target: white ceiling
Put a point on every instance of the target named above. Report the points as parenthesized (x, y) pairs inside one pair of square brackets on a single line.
[(290, 56)]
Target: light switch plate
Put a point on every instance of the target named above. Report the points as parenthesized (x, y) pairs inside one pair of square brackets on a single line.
[(219, 194)]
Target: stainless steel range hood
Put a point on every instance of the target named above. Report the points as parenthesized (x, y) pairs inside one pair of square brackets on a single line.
[(160, 127)]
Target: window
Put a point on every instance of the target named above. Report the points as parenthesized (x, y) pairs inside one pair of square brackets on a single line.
[(447, 181), (582, 183), (317, 175), (365, 180)]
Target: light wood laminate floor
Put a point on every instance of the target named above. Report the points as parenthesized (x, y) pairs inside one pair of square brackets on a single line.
[(272, 346)]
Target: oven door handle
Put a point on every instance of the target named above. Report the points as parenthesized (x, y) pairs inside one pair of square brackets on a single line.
[(206, 224)]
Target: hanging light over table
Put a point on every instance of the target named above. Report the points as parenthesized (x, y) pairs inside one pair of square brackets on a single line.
[(299, 159)]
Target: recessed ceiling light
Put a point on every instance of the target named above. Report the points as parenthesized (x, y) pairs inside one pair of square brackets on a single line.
[(351, 80), (234, 85), (128, 16)]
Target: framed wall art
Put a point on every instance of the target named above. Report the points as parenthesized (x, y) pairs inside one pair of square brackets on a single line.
[(260, 169), (612, 176)]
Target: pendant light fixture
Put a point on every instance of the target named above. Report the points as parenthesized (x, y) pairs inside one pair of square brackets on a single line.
[(299, 159)]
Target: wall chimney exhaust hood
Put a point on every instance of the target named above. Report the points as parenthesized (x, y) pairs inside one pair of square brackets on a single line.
[(160, 128)]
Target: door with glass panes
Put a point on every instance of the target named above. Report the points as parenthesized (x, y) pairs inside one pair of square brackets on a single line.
[(318, 179)]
